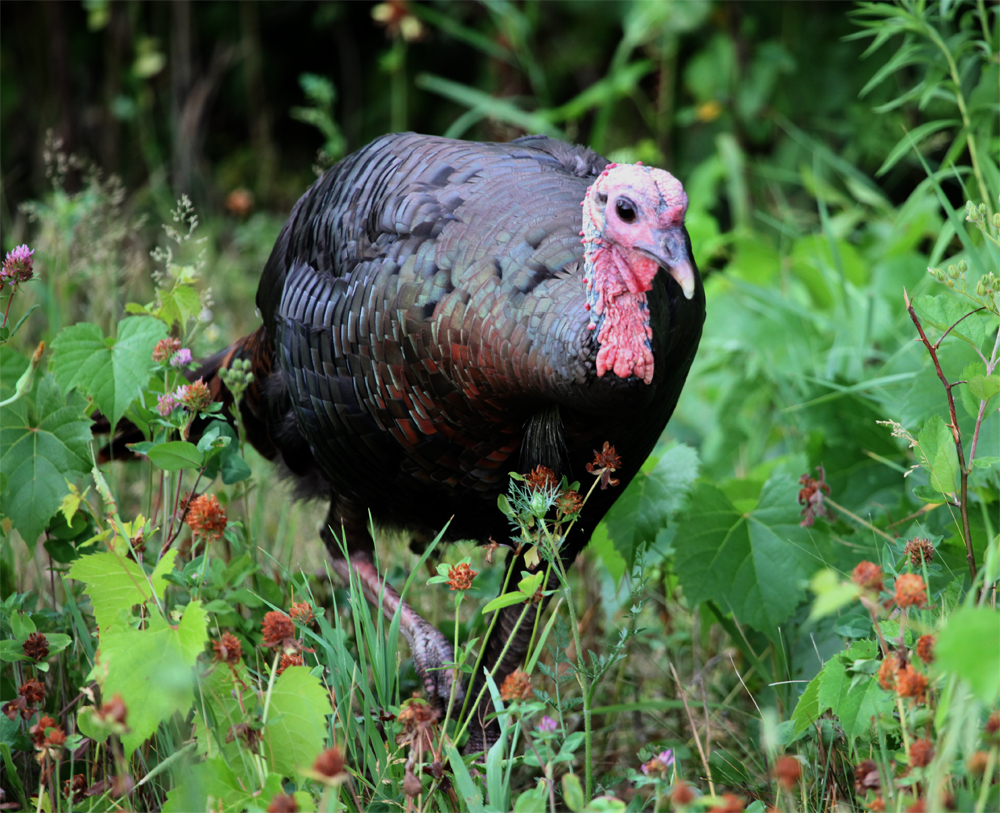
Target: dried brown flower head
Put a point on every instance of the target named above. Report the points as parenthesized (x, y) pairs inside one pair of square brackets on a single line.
[(517, 686), (605, 463), (911, 683), (925, 648), (978, 762), (877, 805), (866, 776), (228, 649), (887, 672), (731, 803), (811, 496), (919, 550), (330, 763), (788, 771), (278, 628), (196, 396), (460, 576), (290, 659), (165, 349), (56, 738), (921, 753), (283, 803), (682, 794), (36, 647), (33, 691), (919, 806), (910, 590), (993, 725), (411, 783), (114, 711), (569, 503), (240, 201), (415, 712), (206, 517), (868, 576), (541, 478), (37, 731), (302, 612), (75, 787)]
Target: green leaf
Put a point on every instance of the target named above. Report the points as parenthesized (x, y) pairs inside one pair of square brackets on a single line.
[(151, 669), (914, 137), (654, 495), (296, 725), (178, 305), (175, 455), (506, 600), (21, 625), (755, 563), (936, 449), (42, 445), (115, 584), (944, 311), (832, 593), (985, 387), (855, 698), (572, 792), (969, 646), (114, 376), (807, 709)]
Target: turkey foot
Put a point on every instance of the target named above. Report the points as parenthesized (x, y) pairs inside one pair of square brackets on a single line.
[(431, 650)]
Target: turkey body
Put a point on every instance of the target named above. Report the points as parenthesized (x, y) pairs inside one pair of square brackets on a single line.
[(427, 308)]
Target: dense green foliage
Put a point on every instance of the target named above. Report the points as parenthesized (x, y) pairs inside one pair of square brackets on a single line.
[(794, 603)]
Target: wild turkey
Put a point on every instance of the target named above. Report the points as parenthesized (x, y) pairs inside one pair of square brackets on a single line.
[(438, 314)]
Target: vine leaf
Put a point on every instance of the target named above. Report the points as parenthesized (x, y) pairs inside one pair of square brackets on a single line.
[(112, 371), (936, 449), (296, 721), (44, 442)]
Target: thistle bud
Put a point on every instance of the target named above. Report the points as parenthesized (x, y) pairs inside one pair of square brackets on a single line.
[(982, 208), (971, 212), (953, 271), (981, 288), (963, 266), (996, 220), (950, 283)]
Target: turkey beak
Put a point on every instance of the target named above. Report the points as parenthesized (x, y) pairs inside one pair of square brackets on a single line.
[(672, 254)]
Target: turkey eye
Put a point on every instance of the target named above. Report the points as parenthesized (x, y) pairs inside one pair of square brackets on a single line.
[(625, 210)]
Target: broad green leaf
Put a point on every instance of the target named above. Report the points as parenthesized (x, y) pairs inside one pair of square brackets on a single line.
[(856, 699), (756, 563), (111, 371), (506, 600), (936, 448), (42, 445), (573, 792), (178, 305), (944, 311), (985, 387), (296, 725), (807, 709), (175, 455), (115, 584), (151, 669), (969, 646), (654, 495)]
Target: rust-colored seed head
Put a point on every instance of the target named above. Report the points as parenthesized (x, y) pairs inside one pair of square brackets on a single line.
[(910, 590), (37, 731), (278, 628), (196, 396), (302, 612), (36, 647), (866, 777), (919, 550), (868, 575), (993, 725), (541, 478), (293, 659), (921, 753), (75, 787), (910, 683), (569, 503), (682, 794), (925, 649), (919, 806), (56, 738), (330, 763), (283, 803), (887, 673), (731, 803), (977, 763), (877, 805), (411, 783), (228, 649), (165, 349), (33, 691), (517, 686), (788, 771), (460, 576), (605, 462), (114, 710), (415, 712), (206, 517)]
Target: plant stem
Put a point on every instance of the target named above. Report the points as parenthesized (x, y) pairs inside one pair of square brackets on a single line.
[(956, 434)]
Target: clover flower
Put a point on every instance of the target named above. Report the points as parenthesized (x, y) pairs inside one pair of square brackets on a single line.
[(17, 266)]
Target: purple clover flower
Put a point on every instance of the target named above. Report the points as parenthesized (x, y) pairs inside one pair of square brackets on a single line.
[(17, 266), (659, 764), (181, 358), (165, 404), (547, 725)]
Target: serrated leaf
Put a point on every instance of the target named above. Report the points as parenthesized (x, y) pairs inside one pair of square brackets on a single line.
[(857, 702), (936, 449), (654, 495), (178, 305), (985, 387), (944, 311), (114, 376), (754, 563), (296, 725), (115, 584), (42, 445), (969, 646), (151, 669), (807, 709)]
